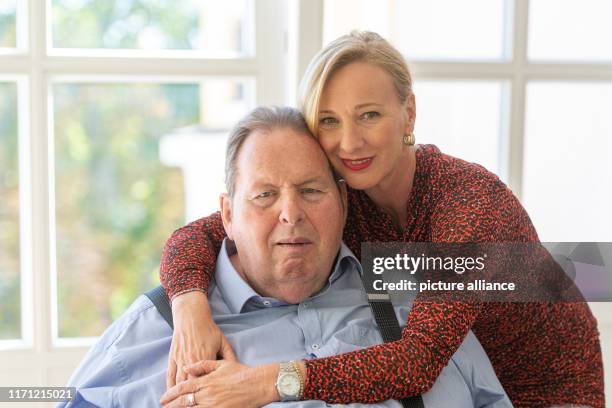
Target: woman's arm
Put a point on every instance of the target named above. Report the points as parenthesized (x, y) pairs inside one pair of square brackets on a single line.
[(189, 256), (486, 212), (187, 267)]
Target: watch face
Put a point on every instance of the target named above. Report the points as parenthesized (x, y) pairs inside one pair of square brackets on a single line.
[(289, 384)]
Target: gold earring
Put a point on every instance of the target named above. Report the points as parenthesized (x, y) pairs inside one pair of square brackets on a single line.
[(409, 139)]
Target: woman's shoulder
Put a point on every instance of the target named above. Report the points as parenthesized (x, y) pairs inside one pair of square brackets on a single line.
[(450, 172), (470, 202), (451, 180)]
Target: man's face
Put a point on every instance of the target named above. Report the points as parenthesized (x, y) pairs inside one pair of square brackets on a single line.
[(286, 216)]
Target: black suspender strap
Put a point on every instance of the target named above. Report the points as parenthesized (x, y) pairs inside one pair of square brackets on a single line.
[(384, 315), (162, 304)]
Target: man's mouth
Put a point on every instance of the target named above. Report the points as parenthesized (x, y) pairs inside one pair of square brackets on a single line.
[(294, 242)]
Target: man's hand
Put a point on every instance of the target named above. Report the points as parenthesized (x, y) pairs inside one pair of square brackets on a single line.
[(225, 384), (196, 336)]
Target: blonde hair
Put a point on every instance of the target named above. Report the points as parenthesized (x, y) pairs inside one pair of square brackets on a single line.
[(358, 46)]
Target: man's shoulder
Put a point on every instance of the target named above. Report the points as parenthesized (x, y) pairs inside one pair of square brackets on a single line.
[(141, 320)]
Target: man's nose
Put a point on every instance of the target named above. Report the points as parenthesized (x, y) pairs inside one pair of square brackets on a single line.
[(291, 211), (351, 138)]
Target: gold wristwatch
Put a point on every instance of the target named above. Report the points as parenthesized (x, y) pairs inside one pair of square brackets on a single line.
[(289, 383)]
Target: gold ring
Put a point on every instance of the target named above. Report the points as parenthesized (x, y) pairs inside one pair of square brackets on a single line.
[(191, 402)]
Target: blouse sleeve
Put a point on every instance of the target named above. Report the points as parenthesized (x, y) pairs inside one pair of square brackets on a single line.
[(189, 256), (434, 331)]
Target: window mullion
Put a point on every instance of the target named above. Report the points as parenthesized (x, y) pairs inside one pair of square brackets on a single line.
[(271, 33), (517, 95), (38, 166)]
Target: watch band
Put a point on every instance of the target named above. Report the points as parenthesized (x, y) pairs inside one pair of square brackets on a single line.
[(295, 366)]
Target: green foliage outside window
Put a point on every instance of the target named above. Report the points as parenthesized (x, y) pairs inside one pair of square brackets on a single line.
[(10, 297), (116, 204), (8, 32), (160, 24)]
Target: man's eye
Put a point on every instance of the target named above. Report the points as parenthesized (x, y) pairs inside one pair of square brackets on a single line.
[(265, 194), (310, 190), (370, 115)]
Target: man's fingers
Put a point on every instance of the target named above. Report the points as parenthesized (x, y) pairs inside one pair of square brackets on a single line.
[(181, 375), (227, 352), (171, 374)]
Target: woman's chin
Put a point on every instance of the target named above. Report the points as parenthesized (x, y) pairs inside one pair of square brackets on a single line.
[(360, 181)]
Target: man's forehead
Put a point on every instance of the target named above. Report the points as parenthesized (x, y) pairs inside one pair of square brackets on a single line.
[(289, 180), (283, 156)]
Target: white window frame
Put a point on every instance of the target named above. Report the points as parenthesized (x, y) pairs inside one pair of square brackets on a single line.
[(38, 358)]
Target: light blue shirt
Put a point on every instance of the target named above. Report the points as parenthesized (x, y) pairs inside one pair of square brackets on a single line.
[(127, 366)]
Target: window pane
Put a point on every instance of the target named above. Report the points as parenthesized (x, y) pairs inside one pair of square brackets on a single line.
[(425, 29), (570, 30), (8, 32), (117, 197), (10, 297), (567, 182), (218, 29), (464, 119)]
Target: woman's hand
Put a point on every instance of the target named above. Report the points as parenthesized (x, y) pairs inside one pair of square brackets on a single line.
[(225, 384), (196, 336)]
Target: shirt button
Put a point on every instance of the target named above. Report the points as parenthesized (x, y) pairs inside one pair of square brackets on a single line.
[(267, 302), (315, 346)]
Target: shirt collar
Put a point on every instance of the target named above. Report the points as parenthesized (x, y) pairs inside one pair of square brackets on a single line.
[(237, 292)]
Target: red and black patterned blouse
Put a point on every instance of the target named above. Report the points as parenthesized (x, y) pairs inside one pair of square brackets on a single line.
[(543, 353)]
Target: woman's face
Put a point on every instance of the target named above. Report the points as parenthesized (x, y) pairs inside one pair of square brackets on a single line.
[(362, 123)]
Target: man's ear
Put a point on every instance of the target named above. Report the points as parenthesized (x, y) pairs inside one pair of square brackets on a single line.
[(343, 198), (225, 202)]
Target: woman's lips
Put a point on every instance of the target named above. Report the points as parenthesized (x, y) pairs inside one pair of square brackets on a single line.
[(358, 164)]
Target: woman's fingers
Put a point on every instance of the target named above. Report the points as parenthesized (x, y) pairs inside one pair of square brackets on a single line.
[(202, 367), (179, 390)]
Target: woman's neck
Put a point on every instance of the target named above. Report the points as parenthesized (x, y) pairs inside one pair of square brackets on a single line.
[(393, 192)]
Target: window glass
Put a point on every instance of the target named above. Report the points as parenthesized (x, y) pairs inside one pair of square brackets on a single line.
[(426, 29), (463, 119), (10, 296), (216, 29), (122, 179), (567, 180), (570, 30), (8, 31)]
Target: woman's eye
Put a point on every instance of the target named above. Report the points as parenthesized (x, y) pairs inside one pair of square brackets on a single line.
[(370, 115), (328, 121)]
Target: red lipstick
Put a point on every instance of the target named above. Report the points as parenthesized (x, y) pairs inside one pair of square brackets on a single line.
[(358, 164)]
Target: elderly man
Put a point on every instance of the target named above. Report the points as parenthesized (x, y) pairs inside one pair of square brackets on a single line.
[(285, 289)]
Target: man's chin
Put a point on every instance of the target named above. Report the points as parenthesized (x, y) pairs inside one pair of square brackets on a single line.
[(299, 291)]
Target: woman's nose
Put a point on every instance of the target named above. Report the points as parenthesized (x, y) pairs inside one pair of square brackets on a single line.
[(351, 138)]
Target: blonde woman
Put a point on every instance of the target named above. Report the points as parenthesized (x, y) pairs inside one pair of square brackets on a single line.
[(357, 99)]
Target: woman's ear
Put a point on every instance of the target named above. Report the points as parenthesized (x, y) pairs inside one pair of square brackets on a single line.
[(410, 113), (225, 202)]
